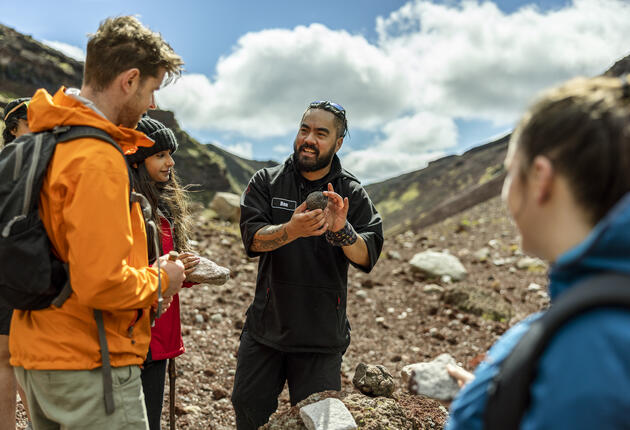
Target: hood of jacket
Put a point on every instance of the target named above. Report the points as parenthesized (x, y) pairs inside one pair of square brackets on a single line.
[(605, 249), (46, 111)]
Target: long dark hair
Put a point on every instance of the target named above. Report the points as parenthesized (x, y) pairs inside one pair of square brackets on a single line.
[(171, 199)]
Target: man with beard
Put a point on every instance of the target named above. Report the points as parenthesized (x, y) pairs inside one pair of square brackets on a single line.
[(85, 208), (296, 329)]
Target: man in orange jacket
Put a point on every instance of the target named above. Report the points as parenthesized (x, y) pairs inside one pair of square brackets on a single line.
[(84, 205)]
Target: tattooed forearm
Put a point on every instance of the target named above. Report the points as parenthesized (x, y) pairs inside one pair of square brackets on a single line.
[(269, 238)]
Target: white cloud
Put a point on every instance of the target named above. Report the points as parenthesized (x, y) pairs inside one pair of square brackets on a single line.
[(67, 49), (431, 64), (242, 149), (473, 61), (408, 144), (264, 85)]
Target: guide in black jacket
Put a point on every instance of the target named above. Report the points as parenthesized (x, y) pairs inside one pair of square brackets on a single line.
[(296, 328)]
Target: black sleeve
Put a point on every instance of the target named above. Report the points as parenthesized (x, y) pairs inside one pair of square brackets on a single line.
[(366, 222), (255, 210)]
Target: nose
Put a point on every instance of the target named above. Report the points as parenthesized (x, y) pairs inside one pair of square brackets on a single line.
[(170, 162), (310, 138), (153, 105)]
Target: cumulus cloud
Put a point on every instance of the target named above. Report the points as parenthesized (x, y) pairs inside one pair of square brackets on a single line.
[(67, 49), (473, 61), (430, 64), (407, 144), (264, 85), (242, 149)]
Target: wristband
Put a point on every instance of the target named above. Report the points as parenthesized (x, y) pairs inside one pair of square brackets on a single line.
[(344, 237)]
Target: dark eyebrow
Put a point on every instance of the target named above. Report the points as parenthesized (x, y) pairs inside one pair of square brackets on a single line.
[(319, 129)]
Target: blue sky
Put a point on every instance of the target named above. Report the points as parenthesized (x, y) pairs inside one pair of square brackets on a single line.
[(419, 78)]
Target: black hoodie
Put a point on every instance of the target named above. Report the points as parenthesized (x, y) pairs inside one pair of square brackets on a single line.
[(301, 288)]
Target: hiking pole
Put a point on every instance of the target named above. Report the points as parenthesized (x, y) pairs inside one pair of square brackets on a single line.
[(172, 375)]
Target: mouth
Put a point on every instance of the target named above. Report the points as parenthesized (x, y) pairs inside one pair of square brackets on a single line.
[(311, 152)]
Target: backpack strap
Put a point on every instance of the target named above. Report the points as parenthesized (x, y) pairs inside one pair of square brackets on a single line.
[(66, 134), (108, 387), (509, 391)]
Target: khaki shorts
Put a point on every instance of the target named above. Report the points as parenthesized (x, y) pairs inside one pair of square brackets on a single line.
[(73, 399)]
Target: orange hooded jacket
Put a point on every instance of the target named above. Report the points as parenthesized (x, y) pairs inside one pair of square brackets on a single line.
[(84, 204)]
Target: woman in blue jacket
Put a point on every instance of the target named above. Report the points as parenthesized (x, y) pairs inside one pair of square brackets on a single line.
[(567, 189)]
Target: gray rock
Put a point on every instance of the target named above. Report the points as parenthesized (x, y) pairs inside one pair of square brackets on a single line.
[(209, 272), (199, 318), (217, 318), (393, 255), (227, 206), (431, 378), (374, 380), (327, 414), (316, 200), (438, 264)]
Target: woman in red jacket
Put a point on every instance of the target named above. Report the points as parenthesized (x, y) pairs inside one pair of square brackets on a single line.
[(153, 176)]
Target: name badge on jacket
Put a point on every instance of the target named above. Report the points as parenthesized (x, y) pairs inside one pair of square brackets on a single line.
[(288, 205)]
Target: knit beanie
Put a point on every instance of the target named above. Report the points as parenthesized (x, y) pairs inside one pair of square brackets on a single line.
[(162, 136)]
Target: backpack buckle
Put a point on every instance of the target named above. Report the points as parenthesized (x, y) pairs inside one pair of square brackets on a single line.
[(59, 129)]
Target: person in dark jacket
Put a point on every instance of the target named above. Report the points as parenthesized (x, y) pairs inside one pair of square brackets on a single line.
[(296, 329), (568, 191)]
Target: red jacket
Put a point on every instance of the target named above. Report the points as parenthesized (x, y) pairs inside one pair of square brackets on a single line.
[(166, 334)]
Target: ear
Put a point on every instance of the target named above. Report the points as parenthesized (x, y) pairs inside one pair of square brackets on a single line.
[(338, 144), (129, 80), (542, 173)]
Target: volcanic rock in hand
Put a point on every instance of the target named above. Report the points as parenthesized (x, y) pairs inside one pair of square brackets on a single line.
[(316, 200), (209, 272)]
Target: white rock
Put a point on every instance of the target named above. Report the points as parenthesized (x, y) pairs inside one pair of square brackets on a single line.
[(391, 310), (379, 320), (438, 264), (433, 288), (362, 294), (327, 414), (217, 318), (533, 287), (199, 318), (530, 263), (446, 279), (431, 378), (494, 244), (483, 254)]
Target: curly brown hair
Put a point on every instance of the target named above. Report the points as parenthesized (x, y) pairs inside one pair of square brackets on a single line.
[(123, 43)]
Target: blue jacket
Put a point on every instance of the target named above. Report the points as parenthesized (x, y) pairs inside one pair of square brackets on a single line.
[(583, 379)]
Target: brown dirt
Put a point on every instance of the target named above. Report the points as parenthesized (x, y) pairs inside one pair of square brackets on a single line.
[(417, 326)]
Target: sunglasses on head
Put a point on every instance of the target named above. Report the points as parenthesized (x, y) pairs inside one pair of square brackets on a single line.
[(328, 105)]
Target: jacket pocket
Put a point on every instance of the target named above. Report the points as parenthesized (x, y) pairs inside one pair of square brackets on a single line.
[(302, 316)]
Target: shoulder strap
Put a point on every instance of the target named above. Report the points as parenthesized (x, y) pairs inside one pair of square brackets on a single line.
[(508, 393), (67, 133)]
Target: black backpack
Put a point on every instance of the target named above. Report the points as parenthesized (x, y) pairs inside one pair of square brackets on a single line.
[(31, 276), (508, 393)]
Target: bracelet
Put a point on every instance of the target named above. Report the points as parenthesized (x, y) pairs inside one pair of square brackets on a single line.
[(344, 237)]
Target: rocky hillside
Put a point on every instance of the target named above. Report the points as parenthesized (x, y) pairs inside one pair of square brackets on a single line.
[(26, 65), (413, 200)]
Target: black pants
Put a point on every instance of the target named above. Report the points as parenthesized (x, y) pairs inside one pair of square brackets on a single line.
[(262, 371), (153, 375)]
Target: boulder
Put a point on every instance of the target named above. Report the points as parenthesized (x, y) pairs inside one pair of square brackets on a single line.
[(431, 378), (227, 206), (438, 264), (373, 380), (327, 414)]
